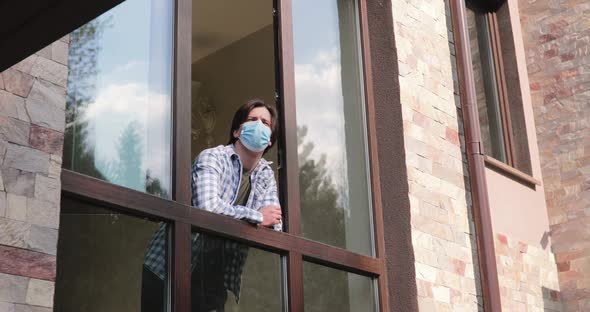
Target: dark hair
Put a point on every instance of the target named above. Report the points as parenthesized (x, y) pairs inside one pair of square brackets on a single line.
[(241, 116)]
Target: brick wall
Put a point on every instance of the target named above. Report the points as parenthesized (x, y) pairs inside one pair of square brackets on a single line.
[(527, 276), (557, 42), (32, 121), (442, 227)]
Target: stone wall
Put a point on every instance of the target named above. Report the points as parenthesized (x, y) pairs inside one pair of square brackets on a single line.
[(442, 223), (32, 121), (557, 42), (527, 276)]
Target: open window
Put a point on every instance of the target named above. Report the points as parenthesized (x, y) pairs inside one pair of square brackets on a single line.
[(154, 84)]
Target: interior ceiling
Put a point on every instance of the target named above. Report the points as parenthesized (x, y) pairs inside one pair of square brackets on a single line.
[(218, 23)]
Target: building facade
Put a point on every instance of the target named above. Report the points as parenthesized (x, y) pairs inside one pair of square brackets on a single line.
[(432, 156)]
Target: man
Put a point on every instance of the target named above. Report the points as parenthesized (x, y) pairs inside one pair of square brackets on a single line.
[(233, 180), (223, 176)]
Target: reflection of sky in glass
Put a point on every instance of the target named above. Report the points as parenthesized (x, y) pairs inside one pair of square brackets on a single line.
[(133, 86), (319, 32), (329, 95), (318, 84)]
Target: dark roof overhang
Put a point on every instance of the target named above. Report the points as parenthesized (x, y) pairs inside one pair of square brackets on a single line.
[(27, 26)]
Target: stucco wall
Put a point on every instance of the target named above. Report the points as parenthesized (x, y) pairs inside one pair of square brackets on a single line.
[(557, 43), (32, 121), (442, 222)]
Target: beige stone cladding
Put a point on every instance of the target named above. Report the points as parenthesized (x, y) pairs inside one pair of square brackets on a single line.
[(527, 276), (32, 121), (557, 43), (442, 223)]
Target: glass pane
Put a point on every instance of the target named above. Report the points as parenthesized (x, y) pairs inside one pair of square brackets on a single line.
[(332, 147), (488, 103), (107, 261), (233, 276), (327, 289), (118, 111)]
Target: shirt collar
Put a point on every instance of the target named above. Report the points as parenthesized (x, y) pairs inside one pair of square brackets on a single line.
[(230, 151)]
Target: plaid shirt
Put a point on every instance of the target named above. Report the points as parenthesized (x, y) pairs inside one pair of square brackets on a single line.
[(216, 176)]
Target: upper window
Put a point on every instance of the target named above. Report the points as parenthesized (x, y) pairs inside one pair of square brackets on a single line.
[(118, 110), (497, 85)]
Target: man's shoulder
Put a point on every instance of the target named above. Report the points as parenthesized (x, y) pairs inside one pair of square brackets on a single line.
[(214, 153), (265, 168)]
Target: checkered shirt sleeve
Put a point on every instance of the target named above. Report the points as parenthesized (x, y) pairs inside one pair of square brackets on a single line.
[(155, 256), (206, 185), (270, 193)]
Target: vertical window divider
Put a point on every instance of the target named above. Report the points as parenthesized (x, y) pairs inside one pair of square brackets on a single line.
[(295, 281), (181, 168), (181, 272), (289, 171), (502, 88), (373, 156), (288, 158)]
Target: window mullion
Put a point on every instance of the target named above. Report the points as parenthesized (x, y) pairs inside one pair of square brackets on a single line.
[(181, 168), (295, 280), (288, 170), (382, 288), (182, 102), (181, 273)]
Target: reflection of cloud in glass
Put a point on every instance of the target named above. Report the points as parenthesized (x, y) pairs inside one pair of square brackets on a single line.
[(320, 108), (118, 105), (130, 71)]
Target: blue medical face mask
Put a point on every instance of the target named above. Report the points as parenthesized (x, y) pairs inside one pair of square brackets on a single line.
[(255, 136)]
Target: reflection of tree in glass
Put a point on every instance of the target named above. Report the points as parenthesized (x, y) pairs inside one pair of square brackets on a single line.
[(82, 58), (128, 168), (323, 220), (154, 186), (129, 171), (323, 216), (261, 284)]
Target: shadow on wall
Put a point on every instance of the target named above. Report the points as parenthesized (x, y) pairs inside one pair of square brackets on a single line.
[(552, 300), (545, 239)]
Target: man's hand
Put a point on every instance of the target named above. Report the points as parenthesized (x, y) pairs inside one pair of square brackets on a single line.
[(271, 215)]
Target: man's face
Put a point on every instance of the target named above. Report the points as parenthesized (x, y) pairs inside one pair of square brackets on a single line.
[(258, 113)]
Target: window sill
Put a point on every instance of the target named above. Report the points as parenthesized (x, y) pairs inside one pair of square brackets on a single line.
[(510, 172)]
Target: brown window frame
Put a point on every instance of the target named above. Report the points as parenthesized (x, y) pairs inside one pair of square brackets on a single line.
[(500, 78), (518, 163), (183, 218)]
